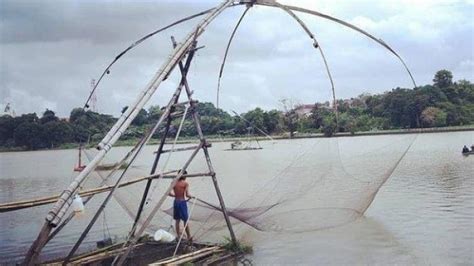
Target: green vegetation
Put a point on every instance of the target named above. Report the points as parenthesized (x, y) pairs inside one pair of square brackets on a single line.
[(444, 103), (237, 247)]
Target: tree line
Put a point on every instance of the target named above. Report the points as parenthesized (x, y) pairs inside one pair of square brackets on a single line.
[(443, 103)]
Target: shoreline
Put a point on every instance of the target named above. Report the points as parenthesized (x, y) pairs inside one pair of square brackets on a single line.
[(126, 143)]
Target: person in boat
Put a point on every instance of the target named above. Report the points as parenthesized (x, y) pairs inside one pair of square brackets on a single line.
[(472, 148), (180, 208), (465, 149), (236, 144)]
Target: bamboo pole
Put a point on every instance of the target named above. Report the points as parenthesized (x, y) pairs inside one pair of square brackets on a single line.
[(178, 260), (18, 205), (184, 148), (126, 118), (109, 196), (197, 124), (316, 45), (173, 102), (62, 205), (132, 239), (342, 22), (221, 70)]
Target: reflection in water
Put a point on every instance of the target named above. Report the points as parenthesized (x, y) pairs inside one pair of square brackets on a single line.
[(424, 214)]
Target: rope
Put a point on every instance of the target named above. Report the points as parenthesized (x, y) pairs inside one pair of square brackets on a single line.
[(251, 124), (226, 52), (105, 226), (184, 228), (136, 43), (316, 45)]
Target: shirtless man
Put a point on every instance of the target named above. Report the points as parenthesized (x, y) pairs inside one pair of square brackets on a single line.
[(180, 208)]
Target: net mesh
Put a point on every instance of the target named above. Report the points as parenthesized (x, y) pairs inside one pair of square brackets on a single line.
[(323, 185)]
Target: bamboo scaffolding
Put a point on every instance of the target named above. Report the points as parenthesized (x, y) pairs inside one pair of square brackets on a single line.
[(23, 204), (185, 148), (64, 200)]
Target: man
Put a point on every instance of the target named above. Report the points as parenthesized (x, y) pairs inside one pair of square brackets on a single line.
[(465, 149), (180, 208)]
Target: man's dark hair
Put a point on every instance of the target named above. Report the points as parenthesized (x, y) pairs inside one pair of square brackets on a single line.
[(184, 173)]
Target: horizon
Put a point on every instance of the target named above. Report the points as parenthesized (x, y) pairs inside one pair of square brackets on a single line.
[(279, 108)]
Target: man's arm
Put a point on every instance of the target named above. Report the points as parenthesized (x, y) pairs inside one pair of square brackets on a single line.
[(187, 192), (171, 194)]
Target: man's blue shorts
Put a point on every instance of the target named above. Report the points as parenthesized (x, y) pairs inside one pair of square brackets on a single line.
[(180, 210)]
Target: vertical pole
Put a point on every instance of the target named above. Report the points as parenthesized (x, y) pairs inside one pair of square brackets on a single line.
[(80, 162), (206, 153), (174, 100), (153, 169), (37, 246)]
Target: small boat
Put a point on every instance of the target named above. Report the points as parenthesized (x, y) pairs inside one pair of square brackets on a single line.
[(241, 146), (110, 166), (101, 167), (468, 153)]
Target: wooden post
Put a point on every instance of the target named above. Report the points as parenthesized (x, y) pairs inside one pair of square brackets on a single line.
[(197, 124), (174, 101)]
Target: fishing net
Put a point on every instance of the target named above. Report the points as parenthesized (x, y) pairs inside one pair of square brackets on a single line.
[(323, 185)]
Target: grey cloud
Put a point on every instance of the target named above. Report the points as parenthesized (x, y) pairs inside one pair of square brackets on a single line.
[(51, 49)]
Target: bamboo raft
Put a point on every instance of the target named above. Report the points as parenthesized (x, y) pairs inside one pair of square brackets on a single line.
[(153, 253)]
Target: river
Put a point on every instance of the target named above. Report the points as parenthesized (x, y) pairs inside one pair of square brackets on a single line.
[(423, 214)]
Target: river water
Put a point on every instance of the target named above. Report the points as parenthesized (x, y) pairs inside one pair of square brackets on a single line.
[(423, 214)]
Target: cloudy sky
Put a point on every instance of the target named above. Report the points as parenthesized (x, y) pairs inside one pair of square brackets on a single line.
[(50, 51)]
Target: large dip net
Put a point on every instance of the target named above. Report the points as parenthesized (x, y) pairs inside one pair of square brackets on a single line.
[(311, 184)]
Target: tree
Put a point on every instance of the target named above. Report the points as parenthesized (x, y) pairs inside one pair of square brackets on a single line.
[(255, 118), (7, 125), (154, 113), (29, 134), (141, 118), (271, 121), (329, 125), (48, 116), (318, 113), (290, 117), (75, 114), (56, 133), (443, 79), (433, 116)]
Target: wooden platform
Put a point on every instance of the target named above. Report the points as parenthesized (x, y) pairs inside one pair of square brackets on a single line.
[(150, 253)]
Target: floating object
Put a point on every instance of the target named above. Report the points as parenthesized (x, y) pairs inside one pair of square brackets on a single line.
[(468, 153), (100, 167), (77, 204), (104, 243), (79, 166), (240, 146), (163, 236)]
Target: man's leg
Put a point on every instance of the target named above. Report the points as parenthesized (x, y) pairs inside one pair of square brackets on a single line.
[(178, 231), (188, 233)]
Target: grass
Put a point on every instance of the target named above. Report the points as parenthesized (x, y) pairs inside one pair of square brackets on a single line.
[(237, 247)]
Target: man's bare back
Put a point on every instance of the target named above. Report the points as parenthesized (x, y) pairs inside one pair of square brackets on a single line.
[(181, 189), (180, 208)]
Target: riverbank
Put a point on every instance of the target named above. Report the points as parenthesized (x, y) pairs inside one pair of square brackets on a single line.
[(297, 135)]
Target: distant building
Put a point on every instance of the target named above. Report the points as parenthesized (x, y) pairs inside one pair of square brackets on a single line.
[(303, 110)]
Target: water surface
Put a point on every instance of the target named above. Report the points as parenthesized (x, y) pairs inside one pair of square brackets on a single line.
[(423, 214)]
